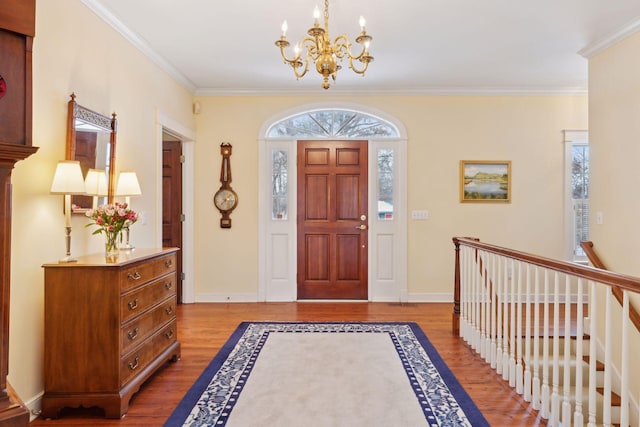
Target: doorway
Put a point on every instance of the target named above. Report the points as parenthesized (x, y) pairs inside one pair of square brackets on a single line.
[(172, 199), (332, 220), (279, 200)]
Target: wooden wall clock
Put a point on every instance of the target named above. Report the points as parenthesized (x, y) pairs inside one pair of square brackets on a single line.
[(225, 198)]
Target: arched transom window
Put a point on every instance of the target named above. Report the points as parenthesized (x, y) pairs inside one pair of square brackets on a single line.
[(344, 124)]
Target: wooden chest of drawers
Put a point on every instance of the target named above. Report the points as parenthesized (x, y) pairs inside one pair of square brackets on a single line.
[(108, 328)]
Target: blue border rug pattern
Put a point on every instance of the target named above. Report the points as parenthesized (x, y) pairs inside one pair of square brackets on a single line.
[(212, 397)]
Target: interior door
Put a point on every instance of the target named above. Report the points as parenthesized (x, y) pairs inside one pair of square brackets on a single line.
[(172, 201), (332, 220)]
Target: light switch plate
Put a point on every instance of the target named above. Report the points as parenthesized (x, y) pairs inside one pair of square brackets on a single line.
[(419, 215)]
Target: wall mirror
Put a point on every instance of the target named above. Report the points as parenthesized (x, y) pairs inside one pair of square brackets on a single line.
[(91, 140)]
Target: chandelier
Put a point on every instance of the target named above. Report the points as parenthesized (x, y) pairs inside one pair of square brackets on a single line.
[(323, 52)]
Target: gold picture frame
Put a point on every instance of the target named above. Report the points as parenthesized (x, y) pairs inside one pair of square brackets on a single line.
[(485, 181)]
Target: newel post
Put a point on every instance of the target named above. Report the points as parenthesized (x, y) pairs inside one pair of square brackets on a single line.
[(455, 330)]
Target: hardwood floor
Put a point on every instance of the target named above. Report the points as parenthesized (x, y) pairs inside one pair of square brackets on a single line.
[(204, 328)]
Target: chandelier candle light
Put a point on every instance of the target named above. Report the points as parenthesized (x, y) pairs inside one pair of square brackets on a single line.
[(323, 52)]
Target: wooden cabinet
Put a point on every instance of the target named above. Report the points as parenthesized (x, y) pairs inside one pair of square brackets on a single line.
[(108, 328)]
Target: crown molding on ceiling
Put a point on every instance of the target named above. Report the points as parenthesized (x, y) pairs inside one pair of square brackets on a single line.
[(433, 91), (96, 7), (611, 39), (139, 43)]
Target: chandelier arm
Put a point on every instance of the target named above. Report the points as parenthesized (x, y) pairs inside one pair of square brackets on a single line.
[(297, 65), (342, 46), (355, 69)]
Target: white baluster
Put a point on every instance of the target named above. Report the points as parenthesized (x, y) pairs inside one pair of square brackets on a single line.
[(476, 305), (555, 391), (624, 395), (512, 327), (608, 363), (488, 307), (505, 320), (472, 299), (464, 292), (499, 319), (519, 355), (593, 315), (472, 296), (527, 340), (566, 403), (494, 309), (535, 383), (544, 410), (578, 418), (483, 306)]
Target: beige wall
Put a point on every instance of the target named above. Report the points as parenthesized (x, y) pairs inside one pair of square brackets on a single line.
[(442, 130), (614, 133), (75, 51), (614, 91)]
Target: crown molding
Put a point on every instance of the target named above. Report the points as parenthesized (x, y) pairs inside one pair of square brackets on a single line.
[(133, 38), (433, 91), (611, 39)]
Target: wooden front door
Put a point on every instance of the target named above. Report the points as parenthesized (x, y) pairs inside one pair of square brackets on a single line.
[(332, 220), (172, 202)]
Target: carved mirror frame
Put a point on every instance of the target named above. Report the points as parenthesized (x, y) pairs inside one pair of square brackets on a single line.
[(77, 114)]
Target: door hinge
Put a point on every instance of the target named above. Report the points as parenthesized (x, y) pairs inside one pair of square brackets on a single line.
[(183, 217), (182, 159), (183, 276)]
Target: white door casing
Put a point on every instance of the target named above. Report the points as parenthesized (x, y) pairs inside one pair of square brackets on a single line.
[(277, 238)]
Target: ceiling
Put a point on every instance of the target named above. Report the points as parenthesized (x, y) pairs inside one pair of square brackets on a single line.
[(420, 46)]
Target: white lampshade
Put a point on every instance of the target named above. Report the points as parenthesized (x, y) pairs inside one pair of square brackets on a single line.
[(68, 178), (96, 182), (128, 184)]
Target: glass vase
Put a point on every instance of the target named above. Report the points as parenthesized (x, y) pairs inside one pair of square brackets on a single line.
[(111, 246)]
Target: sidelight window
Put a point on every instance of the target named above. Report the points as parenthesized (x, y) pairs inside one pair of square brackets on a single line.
[(279, 187)]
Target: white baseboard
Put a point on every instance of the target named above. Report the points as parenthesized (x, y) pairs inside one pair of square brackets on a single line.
[(430, 297), (253, 297), (229, 297)]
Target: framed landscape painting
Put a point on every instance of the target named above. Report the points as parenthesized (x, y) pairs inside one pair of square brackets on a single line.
[(485, 181)]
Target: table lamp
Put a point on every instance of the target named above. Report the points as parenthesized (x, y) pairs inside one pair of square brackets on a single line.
[(128, 186), (96, 185), (68, 181)]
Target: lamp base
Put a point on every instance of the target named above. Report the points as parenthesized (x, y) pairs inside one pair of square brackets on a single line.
[(127, 247), (68, 258)]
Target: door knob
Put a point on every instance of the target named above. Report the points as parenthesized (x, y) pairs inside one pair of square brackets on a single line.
[(361, 227)]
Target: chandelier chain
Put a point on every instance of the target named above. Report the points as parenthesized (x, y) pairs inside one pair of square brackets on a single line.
[(326, 16)]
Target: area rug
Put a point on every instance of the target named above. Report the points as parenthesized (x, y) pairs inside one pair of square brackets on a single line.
[(327, 374)]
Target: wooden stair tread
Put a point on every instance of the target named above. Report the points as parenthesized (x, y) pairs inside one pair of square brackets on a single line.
[(616, 400), (599, 364)]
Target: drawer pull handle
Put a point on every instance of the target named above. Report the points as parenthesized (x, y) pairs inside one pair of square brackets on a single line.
[(169, 334), (169, 309), (132, 335), (134, 276), (168, 285), (133, 366), (168, 263), (133, 304)]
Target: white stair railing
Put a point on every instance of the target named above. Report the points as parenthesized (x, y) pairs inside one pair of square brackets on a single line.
[(524, 315)]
